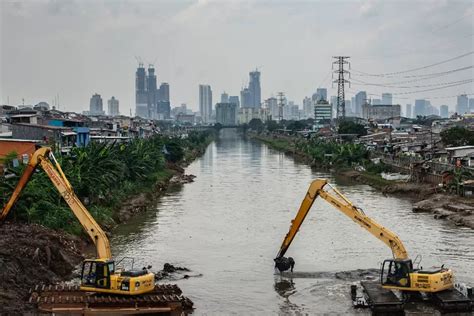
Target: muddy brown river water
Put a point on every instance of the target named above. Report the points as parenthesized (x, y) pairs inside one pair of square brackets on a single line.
[(229, 224)]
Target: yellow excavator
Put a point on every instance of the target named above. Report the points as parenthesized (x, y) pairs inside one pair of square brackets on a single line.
[(397, 273), (98, 275)]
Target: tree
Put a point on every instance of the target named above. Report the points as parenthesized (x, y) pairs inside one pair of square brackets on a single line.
[(256, 125), (457, 136), (349, 127), (296, 126), (272, 126)]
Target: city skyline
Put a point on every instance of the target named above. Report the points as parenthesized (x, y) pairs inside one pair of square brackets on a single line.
[(76, 46)]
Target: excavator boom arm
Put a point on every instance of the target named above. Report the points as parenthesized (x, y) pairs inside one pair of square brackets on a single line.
[(59, 180), (345, 206)]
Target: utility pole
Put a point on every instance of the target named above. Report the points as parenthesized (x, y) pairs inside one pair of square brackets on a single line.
[(341, 106), (281, 99)]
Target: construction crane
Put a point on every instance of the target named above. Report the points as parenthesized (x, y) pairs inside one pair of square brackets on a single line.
[(397, 273), (99, 274)]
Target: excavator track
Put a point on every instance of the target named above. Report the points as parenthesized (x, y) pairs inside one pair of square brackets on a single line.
[(165, 298)]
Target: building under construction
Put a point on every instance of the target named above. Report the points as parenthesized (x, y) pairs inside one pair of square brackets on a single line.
[(150, 101)]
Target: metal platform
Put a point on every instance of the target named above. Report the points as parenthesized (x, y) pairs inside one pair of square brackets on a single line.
[(70, 299), (381, 300)]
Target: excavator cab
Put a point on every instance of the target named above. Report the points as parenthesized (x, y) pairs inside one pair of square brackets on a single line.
[(96, 273), (396, 272)]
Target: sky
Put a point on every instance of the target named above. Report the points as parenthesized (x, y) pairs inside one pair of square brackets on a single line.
[(75, 48)]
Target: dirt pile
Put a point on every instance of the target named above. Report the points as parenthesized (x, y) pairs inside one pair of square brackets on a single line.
[(457, 210), (32, 254)]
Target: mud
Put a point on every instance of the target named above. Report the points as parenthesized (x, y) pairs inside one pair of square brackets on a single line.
[(352, 275), (457, 210), (31, 254), (174, 273)]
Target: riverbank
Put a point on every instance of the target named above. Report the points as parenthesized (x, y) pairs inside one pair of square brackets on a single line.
[(33, 254), (426, 197)]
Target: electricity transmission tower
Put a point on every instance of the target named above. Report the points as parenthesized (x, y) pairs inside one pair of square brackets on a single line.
[(341, 106)]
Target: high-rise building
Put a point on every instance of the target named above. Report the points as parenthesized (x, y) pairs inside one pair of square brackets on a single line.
[(323, 113), (254, 89), (444, 111), (380, 111), (471, 105), (205, 102), (321, 94), (308, 107), (272, 104), (234, 99), (164, 94), (360, 99), (408, 113), (387, 98), (151, 102), (113, 107), (376, 101), (246, 98), (226, 114), (224, 98), (420, 108), (96, 106), (141, 97), (462, 106)]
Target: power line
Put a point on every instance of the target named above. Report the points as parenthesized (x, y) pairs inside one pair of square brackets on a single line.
[(427, 76), (410, 87), (409, 98), (415, 69)]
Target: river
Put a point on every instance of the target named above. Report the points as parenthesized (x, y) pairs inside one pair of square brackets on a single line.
[(229, 224)]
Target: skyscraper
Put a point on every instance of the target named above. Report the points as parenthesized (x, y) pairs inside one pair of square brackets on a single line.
[(462, 105), (387, 98), (162, 102), (226, 114), (246, 98), (113, 107), (151, 102), (96, 106), (321, 94), (420, 108), (224, 98), (254, 89), (308, 107), (471, 105), (152, 93), (444, 111), (205, 102), (141, 97), (408, 111), (234, 99), (360, 99)]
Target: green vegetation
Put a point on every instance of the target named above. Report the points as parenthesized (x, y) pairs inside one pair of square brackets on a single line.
[(457, 136), (328, 153), (349, 127), (103, 176)]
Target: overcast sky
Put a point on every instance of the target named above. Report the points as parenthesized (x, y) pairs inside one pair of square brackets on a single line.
[(77, 48)]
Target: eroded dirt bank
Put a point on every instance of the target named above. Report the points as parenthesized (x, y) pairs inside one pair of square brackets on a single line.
[(31, 254), (455, 209)]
